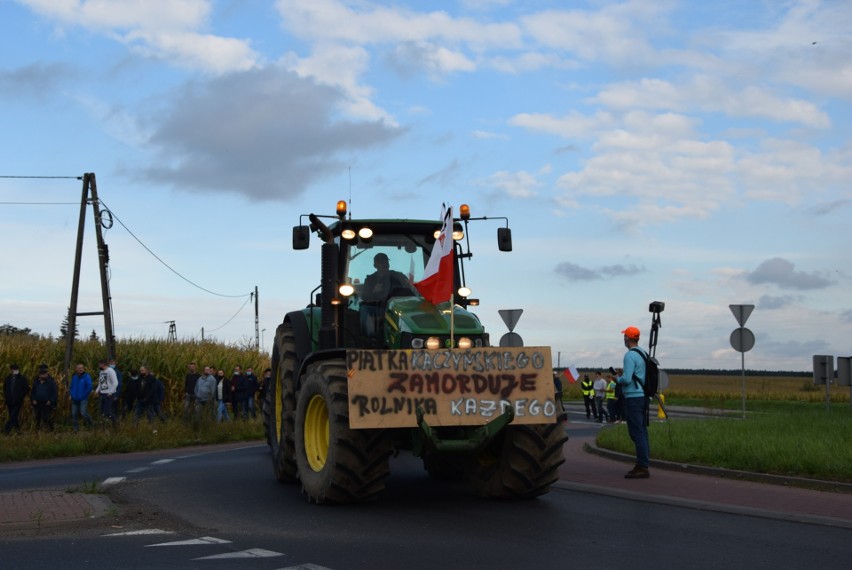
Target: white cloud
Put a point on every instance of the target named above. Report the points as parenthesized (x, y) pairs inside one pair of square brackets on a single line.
[(341, 67), (615, 34), (485, 135), (572, 125), (162, 29), (789, 171), (107, 15), (513, 184), (709, 94), (333, 21)]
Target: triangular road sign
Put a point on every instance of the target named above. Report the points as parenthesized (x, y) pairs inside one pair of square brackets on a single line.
[(510, 317), (741, 313)]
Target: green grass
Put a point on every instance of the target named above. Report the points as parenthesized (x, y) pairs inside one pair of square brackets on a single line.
[(125, 438), (796, 440)]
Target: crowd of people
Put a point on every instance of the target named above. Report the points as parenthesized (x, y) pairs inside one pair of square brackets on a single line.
[(603, 398), (136, 394)]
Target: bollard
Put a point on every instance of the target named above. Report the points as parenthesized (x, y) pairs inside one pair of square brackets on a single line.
[(661, 414)]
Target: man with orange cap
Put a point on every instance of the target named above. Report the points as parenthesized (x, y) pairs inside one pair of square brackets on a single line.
[(632, 380)]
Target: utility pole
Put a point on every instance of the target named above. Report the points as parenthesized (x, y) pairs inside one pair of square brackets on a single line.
[(90, 186), (256, 322), (172, 331)]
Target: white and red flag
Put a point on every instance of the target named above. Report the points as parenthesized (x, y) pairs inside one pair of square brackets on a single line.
[(437, 283), (571, 374)]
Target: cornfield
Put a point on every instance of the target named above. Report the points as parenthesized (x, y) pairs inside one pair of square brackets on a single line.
[(167, 360)]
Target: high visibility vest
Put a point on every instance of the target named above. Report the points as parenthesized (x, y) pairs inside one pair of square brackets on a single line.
[(587, 386), (610, 391)]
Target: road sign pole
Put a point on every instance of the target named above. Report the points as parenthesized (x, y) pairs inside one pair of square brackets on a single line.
[(742, 340), (742, 361)]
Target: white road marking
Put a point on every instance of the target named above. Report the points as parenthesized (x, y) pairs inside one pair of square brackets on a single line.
[(113, 481), (162, 461), (146, 531), (137, 470), (307, 566), (251, 553), (193, 542)]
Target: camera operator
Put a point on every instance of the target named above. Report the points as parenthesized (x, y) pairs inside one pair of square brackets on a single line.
[(631, 380)]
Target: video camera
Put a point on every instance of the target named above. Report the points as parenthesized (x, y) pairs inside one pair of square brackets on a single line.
[(655, 308)]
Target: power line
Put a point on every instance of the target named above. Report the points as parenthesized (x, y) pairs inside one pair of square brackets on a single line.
[(40, 203), (232, 318), (44, 177), (169, 267)]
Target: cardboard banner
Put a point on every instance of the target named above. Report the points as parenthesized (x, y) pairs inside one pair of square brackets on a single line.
[(453, 387)]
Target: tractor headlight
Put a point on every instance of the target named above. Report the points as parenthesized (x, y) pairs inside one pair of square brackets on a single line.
[(346, 290), (433, 343), (417, 343), (465, 342)]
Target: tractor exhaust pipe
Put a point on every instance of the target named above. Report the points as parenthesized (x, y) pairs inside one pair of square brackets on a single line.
[(328, 285)]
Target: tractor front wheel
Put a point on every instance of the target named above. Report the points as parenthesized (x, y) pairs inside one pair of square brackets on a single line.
[(336, 464), (279, 405), (520, 463)]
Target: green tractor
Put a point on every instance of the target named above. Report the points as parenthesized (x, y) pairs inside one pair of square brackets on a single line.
[(370, 368)]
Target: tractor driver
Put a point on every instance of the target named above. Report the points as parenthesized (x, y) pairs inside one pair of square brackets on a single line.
[(376, 290)]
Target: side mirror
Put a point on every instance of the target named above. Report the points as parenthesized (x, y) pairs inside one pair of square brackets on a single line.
[(301, 237), (504, 239)]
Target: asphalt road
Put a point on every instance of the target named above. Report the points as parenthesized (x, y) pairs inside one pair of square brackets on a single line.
[(223, 509)]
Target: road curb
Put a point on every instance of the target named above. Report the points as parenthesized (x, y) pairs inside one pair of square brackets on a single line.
[(45, 507), (801, 482)]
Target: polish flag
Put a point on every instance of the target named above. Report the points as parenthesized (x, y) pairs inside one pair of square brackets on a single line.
[(571, 374), (437, 283)]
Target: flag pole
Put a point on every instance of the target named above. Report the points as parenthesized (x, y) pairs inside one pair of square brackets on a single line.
[(452, 320)]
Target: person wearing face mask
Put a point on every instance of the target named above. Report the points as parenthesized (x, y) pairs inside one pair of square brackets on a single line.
[(15, 390), (632, 378), (205, 393), (223, 396), (239, 393), (147, 395)]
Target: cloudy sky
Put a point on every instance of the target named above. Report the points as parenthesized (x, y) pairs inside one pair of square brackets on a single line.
[(696, 153)]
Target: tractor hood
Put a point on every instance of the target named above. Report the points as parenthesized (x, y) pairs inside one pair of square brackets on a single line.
[(418, 316)]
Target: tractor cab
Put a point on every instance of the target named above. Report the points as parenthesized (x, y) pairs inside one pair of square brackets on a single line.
[(370, 268)]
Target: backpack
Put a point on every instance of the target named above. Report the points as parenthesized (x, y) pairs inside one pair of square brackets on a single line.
[(652, 374)]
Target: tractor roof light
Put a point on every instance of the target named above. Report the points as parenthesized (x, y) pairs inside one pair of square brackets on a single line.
[(365, 233), (464, 212), (464, 292), (346, 290), (458, 235), (348, 234), (341, 209)]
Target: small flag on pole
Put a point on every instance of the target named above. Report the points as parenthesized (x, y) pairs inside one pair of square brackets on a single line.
[(437, 283), (571, 374)]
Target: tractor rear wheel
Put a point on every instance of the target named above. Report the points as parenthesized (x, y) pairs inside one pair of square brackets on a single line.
[(279, 405), (336, 464), (521, 463)]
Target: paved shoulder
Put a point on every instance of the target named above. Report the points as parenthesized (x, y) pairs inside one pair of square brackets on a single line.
[(593, 473)]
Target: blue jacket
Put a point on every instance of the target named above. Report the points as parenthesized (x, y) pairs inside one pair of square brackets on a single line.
[(633, 365), (81, 387)]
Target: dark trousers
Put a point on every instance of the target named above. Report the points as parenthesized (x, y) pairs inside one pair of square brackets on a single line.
[(42, 412), (14, 414), (107, 408), (590, 406)]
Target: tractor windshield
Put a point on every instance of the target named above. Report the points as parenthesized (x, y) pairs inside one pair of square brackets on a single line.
[(403, 257)]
